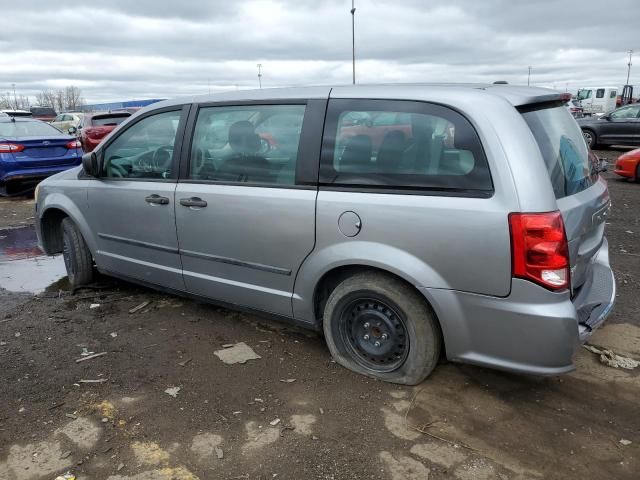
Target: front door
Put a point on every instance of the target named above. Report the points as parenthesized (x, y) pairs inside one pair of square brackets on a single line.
[(132, 202), (622, 126), (245, 209)]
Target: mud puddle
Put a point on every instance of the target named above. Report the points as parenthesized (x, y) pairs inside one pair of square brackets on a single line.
[(23, 266)]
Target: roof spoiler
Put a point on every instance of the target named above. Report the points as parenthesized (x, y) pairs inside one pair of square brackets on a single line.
[(540, 102)]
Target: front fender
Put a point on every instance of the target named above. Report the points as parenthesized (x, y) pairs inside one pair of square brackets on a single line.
[(71, 203), (357, 253)]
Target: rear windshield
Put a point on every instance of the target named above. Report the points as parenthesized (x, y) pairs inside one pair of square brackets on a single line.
[(43, 111), (28, 129), (110, 120), (563, 148)]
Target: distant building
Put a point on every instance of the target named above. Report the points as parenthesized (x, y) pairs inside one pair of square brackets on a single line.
[(105, 107)]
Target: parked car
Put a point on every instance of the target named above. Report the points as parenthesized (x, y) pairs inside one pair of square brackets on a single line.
[(597, 100), (46, 114), (65, 121), (628, 165), (490, 249), (17, 113), (574, 107), (97, 126), (619, 127), (31, 150)]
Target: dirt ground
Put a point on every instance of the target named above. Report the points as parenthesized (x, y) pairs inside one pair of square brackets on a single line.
[(293, 413)]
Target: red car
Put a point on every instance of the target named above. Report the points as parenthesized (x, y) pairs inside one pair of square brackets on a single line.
[(628, 164), (97, 126)]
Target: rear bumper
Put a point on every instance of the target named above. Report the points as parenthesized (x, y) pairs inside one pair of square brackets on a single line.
[(533, 330), (30, 174)]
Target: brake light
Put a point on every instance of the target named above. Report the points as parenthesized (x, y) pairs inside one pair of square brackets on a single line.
[(539, 249), (11, 147), (73, 144)]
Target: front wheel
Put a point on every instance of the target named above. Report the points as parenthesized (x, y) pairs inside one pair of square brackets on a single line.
[(378, 326), (77, 256), (590, 138)]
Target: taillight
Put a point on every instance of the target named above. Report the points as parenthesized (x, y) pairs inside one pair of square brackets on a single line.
[(539, 249), (74, 144), (11, 147)]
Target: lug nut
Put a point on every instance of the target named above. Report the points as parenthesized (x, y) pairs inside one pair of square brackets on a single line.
[(377, 344), (366, 337), (366, 325), (385, 336)]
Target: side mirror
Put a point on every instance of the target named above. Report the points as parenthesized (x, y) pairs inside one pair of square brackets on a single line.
[(91, 164), (72, 130)]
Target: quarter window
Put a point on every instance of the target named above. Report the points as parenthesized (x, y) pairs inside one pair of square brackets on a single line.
[(401, 145), (255, 144), (145, 150)]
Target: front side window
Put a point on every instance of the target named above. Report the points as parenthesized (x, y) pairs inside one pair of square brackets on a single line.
[(613, 94), (145, 150), (402, 145), (626, 112), (600, 93), (248, 144)]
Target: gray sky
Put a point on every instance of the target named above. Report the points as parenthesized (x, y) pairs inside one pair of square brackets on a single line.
[(126, 49)]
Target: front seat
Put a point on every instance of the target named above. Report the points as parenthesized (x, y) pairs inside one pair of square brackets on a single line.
[(391, 152), (356, 157), (244, 164)]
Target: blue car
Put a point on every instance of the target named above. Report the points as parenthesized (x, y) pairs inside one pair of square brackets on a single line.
[(31, 150)]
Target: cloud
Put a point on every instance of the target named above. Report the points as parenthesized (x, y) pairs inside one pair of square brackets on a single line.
[(144, 48)]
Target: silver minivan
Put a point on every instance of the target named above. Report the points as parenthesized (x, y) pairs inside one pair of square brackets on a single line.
[(406, 222)]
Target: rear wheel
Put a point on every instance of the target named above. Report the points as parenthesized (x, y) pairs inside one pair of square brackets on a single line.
[(590, 138), (77, 257), (376, 325)]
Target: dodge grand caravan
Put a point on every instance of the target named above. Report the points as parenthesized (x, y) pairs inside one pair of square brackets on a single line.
[(402, 221)]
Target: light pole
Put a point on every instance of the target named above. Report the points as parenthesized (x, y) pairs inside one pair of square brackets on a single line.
[(15, 99), (353, 39), (629, 66), (529, 77), (260, 75)]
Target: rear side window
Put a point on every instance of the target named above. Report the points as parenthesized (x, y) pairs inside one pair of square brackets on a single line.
[(563, 148), (254, 144), (402, 145)]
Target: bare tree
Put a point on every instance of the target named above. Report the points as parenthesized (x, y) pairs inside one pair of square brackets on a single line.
[(46, 98), (73, 97)]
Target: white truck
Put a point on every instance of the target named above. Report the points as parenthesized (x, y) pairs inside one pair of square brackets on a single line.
[(597, 100)]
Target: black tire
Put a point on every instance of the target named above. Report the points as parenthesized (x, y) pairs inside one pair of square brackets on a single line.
[(590, 137), (77, 257), (367, 306)]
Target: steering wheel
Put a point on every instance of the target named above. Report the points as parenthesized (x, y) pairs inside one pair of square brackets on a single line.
[(161, 160), (116, 170)]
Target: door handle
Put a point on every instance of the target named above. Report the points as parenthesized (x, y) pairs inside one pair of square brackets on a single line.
[(156, 199), (193, 202)]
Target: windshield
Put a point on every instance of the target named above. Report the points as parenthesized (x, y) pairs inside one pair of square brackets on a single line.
[(28, 129), (563, 148), (110, 120), (583, 94)]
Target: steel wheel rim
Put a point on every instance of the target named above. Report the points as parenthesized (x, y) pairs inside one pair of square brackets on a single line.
[(375, 334), (588, 137)]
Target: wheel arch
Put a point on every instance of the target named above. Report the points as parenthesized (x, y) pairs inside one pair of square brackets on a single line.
[(55, 208)]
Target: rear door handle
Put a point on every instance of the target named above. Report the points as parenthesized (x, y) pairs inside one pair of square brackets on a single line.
[(156, 199), (193, 202)]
